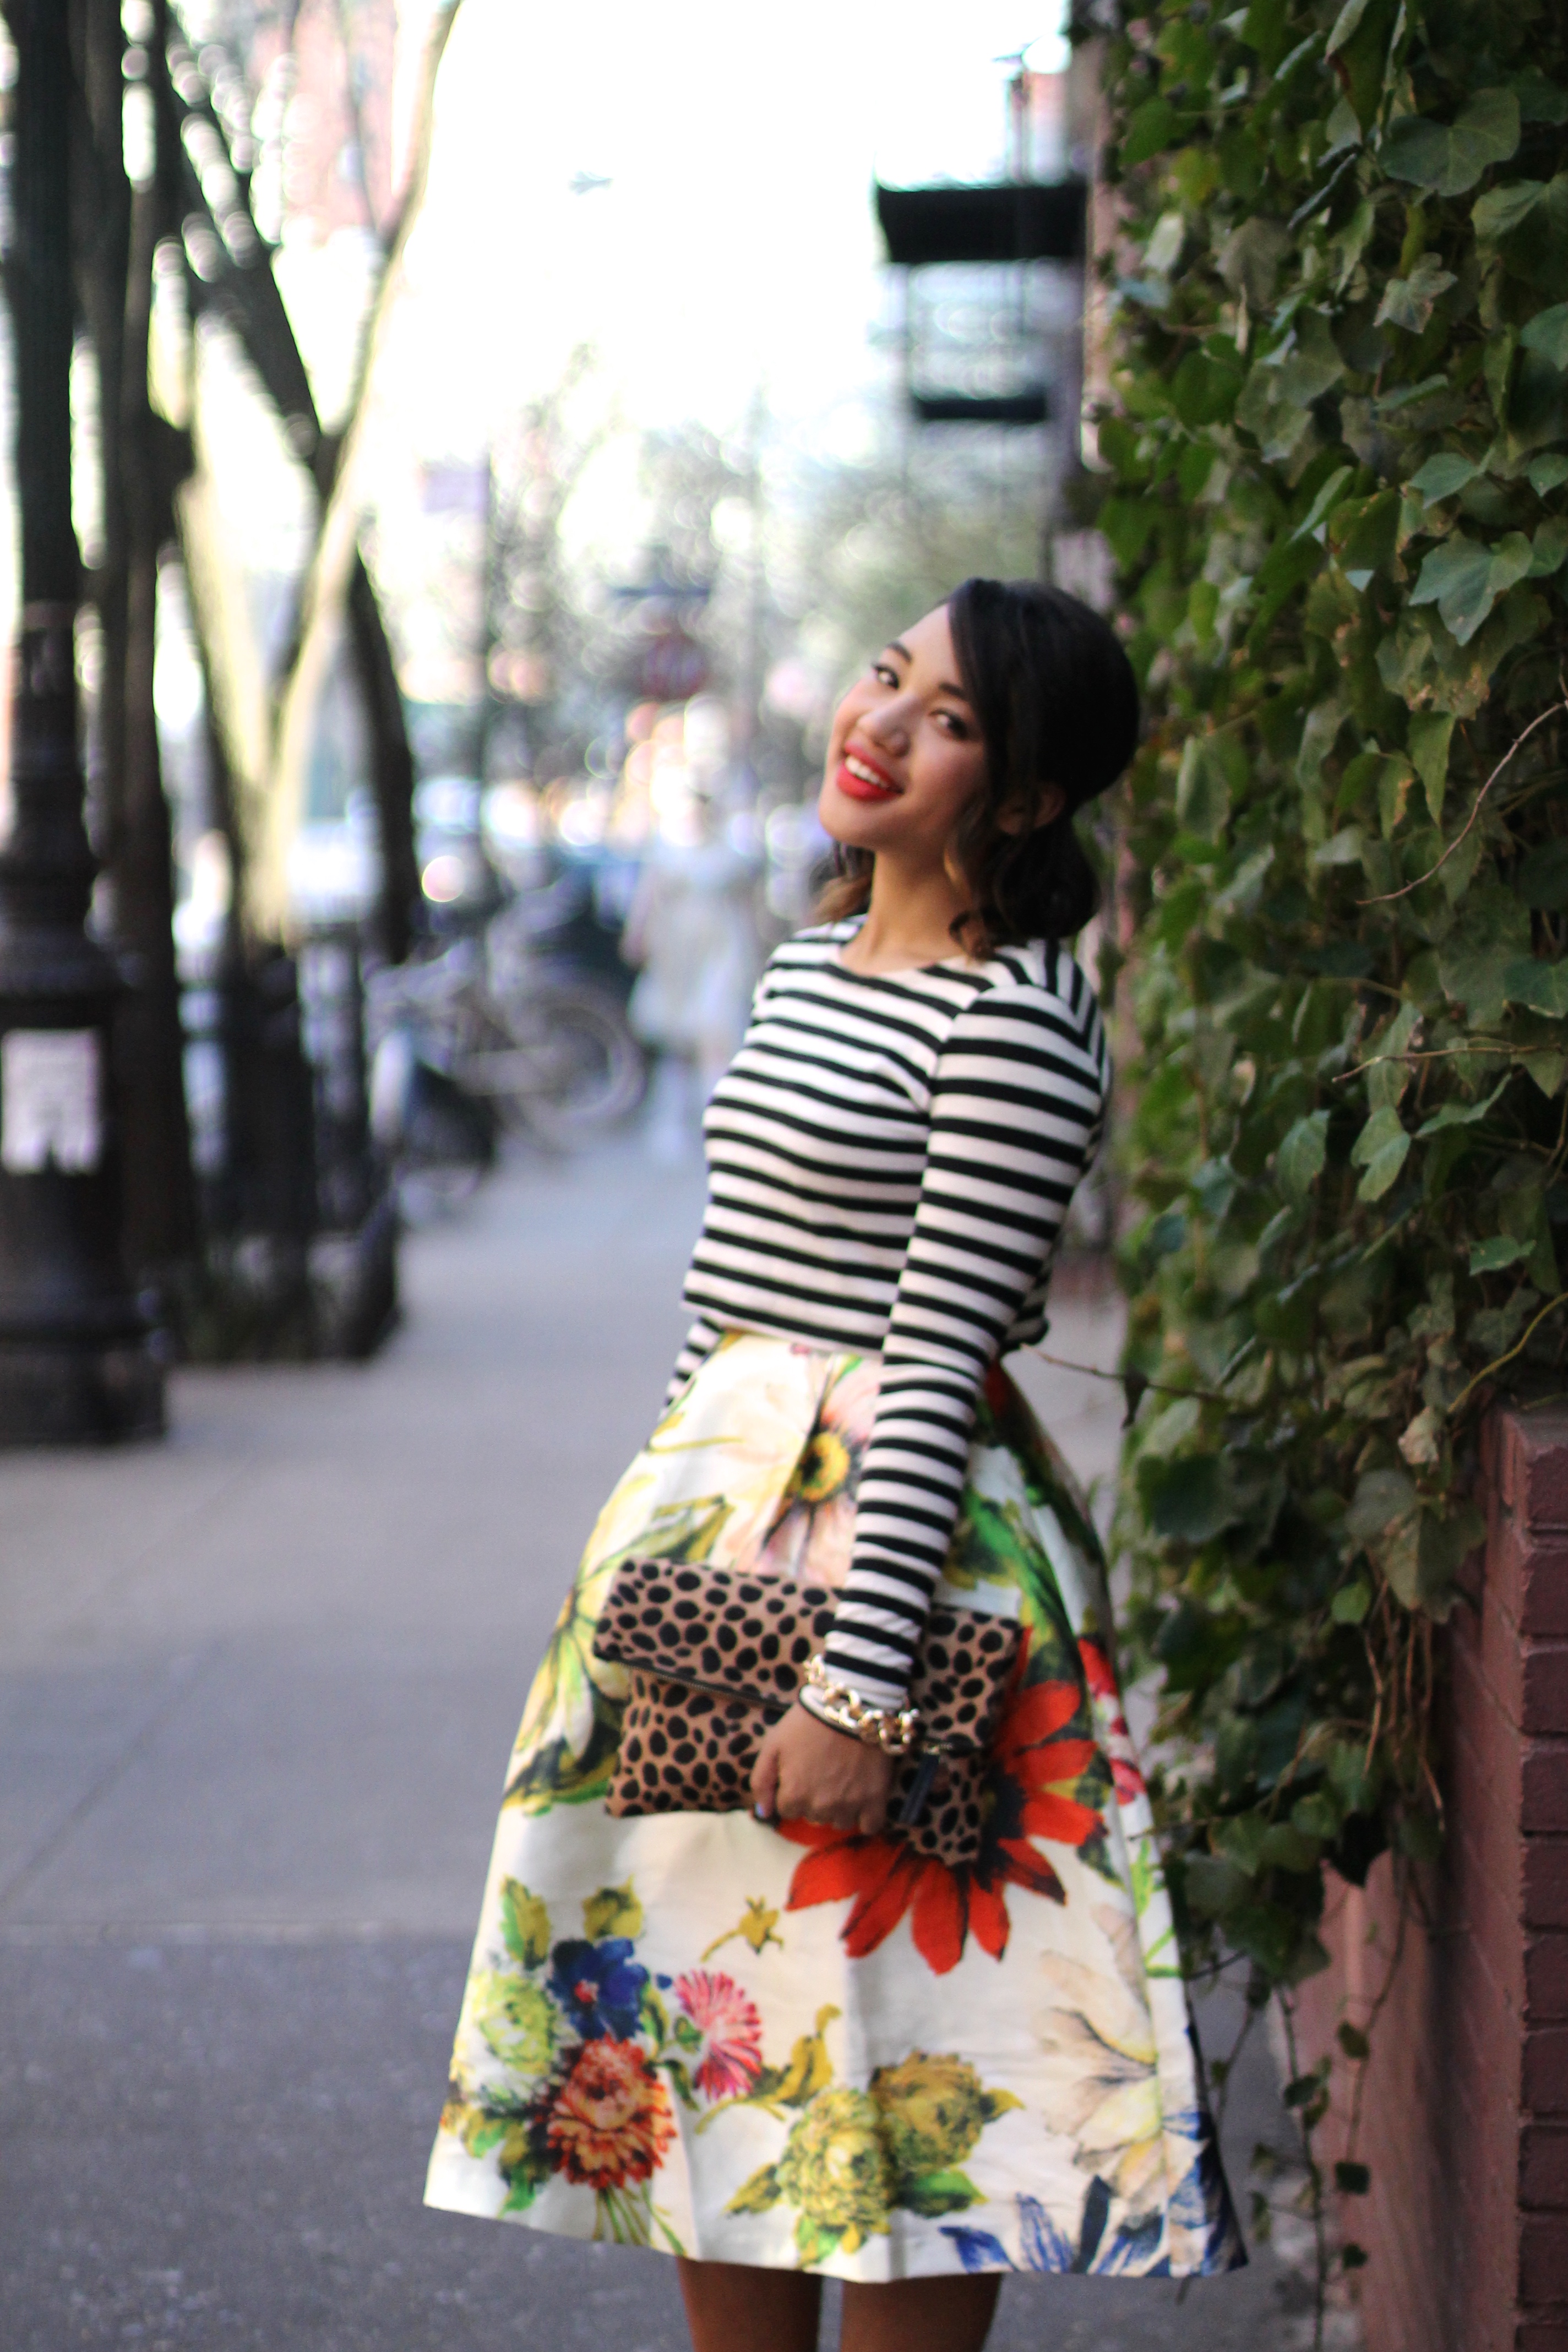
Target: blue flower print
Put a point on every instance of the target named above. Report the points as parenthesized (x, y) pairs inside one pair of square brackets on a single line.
[(599, 1986), (1200, 2201), (1041, 2246)]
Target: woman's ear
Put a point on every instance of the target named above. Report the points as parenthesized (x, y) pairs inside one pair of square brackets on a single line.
[(1015, 817)]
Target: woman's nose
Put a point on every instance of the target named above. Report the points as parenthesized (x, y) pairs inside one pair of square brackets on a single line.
[(889, 724)]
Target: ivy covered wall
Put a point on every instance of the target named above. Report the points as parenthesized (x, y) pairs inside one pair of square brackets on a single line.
[(1337, 494)]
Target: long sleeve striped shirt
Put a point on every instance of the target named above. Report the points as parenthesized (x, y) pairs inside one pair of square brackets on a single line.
[(890, 1159)]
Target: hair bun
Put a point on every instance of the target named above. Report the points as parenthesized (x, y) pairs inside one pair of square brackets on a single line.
[(1052, 688)]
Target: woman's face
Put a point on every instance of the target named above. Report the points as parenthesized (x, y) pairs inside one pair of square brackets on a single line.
[(905, 756)]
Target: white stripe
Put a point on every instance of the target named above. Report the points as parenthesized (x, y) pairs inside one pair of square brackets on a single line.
[(890, 1158)]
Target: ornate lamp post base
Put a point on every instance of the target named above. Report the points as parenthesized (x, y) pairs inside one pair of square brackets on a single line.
[(50, 1397)]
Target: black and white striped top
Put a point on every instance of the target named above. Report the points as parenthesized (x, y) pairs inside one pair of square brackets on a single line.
[(890, 1158)]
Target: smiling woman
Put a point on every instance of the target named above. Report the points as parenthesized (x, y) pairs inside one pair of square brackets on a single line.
[(1049, 691), (904, 2030)]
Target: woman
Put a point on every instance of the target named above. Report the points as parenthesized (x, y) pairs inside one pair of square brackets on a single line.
[(783, 2045)]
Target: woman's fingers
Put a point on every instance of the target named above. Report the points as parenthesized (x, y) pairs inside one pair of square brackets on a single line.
[(805, 1771), (765, 1779)]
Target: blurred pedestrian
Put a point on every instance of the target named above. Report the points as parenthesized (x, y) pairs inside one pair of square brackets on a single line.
[(692, 929), (880, 1981)]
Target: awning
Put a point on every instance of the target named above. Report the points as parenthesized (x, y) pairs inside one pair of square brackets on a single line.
[(1041, 220), (977, 408)]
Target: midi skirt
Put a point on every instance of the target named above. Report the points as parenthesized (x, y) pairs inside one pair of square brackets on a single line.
[(801, 2047)]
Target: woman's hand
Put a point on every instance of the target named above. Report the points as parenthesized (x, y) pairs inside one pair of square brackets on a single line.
[(808, 1772)]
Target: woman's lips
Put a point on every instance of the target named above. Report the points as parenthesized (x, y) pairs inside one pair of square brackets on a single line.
[(867, 785)]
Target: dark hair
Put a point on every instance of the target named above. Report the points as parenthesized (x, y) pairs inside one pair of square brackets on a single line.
[(1056, 703)]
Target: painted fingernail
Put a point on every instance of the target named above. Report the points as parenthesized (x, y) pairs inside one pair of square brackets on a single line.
[(761, 1811)]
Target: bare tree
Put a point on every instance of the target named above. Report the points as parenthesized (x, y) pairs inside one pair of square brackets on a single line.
[(142, 460)]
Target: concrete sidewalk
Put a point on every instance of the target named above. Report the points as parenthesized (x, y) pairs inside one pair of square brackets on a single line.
[(257, 1686)]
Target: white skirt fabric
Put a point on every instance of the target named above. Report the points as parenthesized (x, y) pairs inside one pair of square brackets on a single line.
[(799, 2047)]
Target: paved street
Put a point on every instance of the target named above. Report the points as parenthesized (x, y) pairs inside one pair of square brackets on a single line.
[(256, 1688)]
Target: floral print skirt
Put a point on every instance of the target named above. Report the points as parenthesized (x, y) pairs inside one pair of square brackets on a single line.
[(801, 2047)]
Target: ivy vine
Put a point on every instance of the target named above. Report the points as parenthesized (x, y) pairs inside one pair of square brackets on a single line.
[(1335, 485)]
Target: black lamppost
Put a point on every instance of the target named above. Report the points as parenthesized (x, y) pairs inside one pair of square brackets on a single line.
[(74, 1356)]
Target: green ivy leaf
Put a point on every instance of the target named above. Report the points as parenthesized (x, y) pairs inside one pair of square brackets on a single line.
[(1276, 400), (1150, 128), (1543, 986), (1465, 577), (1540, 101), (1408, 301), (1548, 335), (1549, 548), (1188, 1499), (1441, 476), (1328, 498), (1536, 249), (1285, 1847), (1387, 1074), (1448, 161), (1428, 735), (1203, 789), (1365, 540), (1345, 24), (1212, 1884), (1381, 1149), (1381, 1497), (1444, 1540), (1300, 1157), (1502, 210), (1491, 1257), (1458, 1114), (1204, 388)]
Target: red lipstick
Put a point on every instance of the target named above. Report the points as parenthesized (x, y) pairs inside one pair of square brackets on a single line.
[(875, 785)]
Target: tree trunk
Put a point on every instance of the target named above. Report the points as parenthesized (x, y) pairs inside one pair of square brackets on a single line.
[(160, 1192), (142, 457), (392, 767), (249, 295)]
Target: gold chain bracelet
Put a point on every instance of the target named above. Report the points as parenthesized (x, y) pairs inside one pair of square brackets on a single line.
[(888, 1729)]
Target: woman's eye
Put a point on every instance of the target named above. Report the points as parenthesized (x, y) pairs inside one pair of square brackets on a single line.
[(954, 724), (884, 674)]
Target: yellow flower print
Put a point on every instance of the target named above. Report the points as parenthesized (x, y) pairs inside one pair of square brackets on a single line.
[(516, 2020), (560, 1713), (738, 1432), (933, 2111), (758, 1922), (813, 1529)]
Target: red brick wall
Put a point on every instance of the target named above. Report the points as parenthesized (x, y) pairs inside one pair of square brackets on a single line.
[(1465, 2106)]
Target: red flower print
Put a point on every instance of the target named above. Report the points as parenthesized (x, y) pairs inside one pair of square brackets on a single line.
[(1121, 1754), (1037, 1770), (731, 2033), (610, 2123)]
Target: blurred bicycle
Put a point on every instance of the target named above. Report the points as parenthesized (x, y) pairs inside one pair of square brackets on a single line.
[(480, 1037)]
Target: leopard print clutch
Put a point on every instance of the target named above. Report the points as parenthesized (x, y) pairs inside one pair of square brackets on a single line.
[(715, 1655)]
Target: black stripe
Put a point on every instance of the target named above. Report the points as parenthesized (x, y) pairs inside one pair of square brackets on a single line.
[(857, 1100)]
